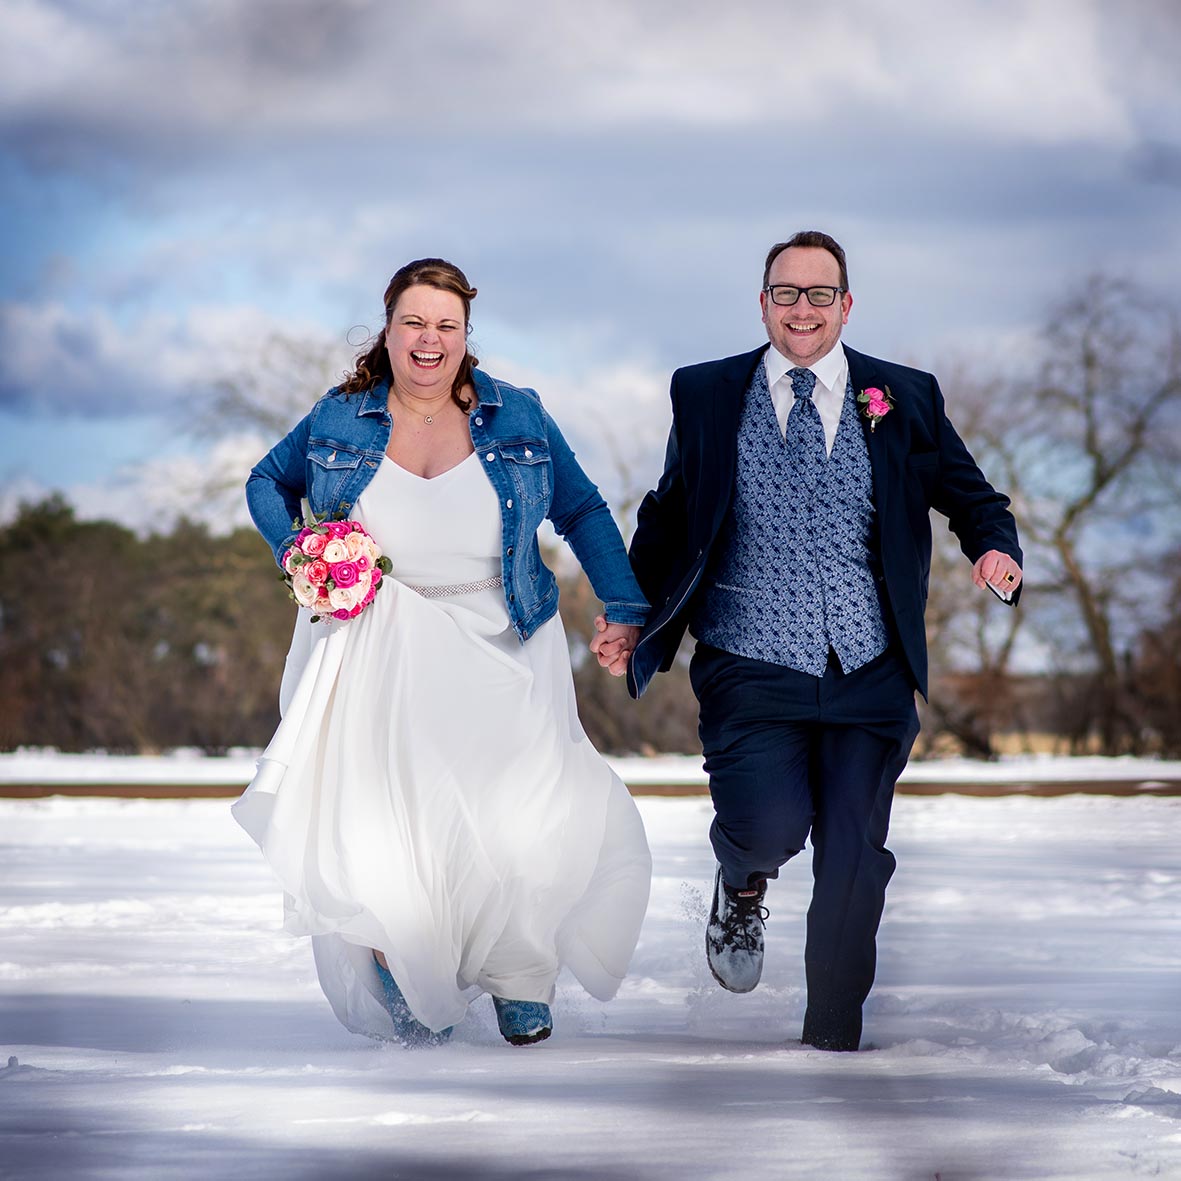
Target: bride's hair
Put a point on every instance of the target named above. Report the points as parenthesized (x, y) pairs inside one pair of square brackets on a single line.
[(373, 364)]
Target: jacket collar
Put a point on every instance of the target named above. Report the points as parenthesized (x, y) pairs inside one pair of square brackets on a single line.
[(735, 377), (375, 399), (487, 391), (726, 412), (863, 374)]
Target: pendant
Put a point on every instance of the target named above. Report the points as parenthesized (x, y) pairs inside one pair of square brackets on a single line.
[(429, 419)]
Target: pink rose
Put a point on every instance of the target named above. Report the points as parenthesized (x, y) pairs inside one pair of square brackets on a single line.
[(289, 563), (362, 563), (341, 614), (314, 545), (345, 574), (339, 529), (317, 570), (878, 407)]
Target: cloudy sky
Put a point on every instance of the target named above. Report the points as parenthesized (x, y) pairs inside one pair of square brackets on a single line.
[(185, 180)]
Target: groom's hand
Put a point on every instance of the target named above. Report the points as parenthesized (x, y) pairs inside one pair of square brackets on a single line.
[(998, 572), (613, 644)]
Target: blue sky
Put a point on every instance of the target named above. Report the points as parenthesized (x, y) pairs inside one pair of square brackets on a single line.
[(182, 181)]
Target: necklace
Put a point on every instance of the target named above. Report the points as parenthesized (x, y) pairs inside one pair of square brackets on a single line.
[(429, 419)]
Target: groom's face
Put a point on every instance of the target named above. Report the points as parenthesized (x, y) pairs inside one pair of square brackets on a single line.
[(804, 333)]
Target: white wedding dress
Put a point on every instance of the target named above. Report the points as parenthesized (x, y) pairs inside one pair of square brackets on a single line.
[(430, 791)]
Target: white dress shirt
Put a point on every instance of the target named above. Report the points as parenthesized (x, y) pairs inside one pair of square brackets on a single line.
[(832, 375)]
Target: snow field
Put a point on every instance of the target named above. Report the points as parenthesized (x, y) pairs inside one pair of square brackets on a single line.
[(1024, 1023)]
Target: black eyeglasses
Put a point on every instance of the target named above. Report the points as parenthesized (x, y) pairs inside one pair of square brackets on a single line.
[(818, 297)]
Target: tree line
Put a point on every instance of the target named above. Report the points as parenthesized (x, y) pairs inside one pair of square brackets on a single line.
[(135, 643)]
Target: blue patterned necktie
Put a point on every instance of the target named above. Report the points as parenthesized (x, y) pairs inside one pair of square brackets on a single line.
[(805, 431)]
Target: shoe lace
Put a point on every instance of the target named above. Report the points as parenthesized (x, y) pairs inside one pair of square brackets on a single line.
[(749, 903)]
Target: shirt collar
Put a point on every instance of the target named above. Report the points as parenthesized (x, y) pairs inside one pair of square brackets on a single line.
[(828, 369)]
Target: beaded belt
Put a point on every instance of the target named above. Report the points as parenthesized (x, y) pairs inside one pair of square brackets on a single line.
[(457, 588)]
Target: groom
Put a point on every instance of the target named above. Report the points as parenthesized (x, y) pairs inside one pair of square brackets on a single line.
[(790, 533)]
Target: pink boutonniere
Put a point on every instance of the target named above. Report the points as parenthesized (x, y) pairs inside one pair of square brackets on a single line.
[(875, 404)]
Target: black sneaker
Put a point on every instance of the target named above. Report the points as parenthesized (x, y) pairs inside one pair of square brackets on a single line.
[(734, 935)]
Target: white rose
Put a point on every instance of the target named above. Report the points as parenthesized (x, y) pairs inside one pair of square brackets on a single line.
[(335, 551), (355, 544), (344, 596), (304, 590)]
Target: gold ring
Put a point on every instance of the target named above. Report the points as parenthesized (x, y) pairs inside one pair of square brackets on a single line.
[(1010, 578)]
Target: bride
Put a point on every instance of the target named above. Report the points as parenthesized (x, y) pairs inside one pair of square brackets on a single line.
[(438, 820)]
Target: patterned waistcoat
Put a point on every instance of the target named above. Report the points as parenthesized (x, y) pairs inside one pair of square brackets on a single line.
[(793, 572)]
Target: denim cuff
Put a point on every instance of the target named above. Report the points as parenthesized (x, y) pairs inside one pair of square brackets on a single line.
[(635, 614)]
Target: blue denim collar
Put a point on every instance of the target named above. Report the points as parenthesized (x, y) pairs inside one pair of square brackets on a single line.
[(375, 399), (487, 391)]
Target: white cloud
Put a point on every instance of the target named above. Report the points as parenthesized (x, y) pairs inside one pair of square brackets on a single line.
[(91, 363), (616, 417), (211, 73), (206, 486)]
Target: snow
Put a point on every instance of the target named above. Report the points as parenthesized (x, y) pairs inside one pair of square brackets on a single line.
[(184, 768), (159, 1024)]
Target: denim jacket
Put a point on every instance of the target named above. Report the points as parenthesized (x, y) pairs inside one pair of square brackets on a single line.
[(332, 454)]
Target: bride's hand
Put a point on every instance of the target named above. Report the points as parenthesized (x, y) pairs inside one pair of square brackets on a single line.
[(613, 644)]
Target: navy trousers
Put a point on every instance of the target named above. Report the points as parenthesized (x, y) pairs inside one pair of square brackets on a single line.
[(792, 756)]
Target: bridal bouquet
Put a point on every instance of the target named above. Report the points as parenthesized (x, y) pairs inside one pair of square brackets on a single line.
[(334, 567)]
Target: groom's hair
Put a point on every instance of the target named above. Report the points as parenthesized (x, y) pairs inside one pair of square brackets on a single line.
[(815, 238)]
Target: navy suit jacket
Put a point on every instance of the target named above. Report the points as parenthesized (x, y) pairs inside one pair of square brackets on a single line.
[(919, 463)]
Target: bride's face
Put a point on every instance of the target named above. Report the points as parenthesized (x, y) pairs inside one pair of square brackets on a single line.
[(426, 339)]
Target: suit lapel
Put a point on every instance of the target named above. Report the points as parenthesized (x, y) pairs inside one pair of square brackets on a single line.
[(728, 392), (862, 377)]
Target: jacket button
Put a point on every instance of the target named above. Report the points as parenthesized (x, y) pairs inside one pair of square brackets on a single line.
[(509, 551), (479, 422), (528, 453), (512, 598), (489, 457), (508, 503)]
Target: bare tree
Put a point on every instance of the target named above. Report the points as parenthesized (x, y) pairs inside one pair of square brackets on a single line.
[(1091, 452), (972, 638), (274, 387), (255, 403)]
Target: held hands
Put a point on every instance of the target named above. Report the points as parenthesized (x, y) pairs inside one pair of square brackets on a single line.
[(613, 644), (998, 572)]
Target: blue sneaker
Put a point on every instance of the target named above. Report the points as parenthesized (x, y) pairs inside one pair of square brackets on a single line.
[(523, 1022), (407, 1028)]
